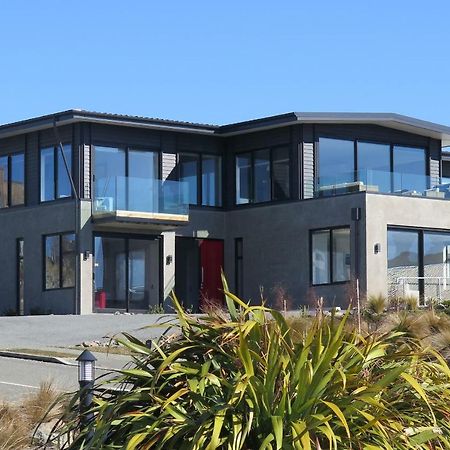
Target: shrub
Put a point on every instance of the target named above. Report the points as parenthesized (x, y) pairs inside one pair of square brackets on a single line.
[(237, 379)]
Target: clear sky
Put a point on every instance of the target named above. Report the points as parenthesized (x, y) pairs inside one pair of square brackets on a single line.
[(224, 61)]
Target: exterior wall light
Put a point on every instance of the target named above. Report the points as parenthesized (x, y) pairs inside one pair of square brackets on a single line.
[(377, 248), (86, 378)]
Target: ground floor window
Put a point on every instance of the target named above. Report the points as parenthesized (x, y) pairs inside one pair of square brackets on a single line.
[(419, 264), (330, 255), (126, 272), (59, 261)]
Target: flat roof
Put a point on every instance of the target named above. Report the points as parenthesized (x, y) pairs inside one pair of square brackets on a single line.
[(389, 120)]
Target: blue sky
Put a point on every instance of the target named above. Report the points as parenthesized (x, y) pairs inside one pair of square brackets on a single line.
[(221, 62)]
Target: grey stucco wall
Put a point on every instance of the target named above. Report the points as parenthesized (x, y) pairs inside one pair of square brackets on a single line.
[(388, 210), (32, 224), (276, 247)]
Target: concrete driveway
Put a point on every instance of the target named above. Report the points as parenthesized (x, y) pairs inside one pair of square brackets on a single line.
[(64, 331)]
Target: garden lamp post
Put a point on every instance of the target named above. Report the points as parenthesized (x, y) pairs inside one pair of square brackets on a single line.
[(86, 378)]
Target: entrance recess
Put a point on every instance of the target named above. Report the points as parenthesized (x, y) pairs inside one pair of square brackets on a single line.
[(126, 273), (198, 266)]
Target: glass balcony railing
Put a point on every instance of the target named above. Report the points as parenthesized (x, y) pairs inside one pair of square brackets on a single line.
[(384, 182), (140, 195)]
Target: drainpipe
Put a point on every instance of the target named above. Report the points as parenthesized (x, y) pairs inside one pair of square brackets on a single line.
[(77, 301)]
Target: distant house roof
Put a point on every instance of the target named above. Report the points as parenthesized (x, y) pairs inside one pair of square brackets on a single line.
[(390, 120)]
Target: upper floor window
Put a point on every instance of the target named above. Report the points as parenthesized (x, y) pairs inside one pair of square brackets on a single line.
[(384, 167), (262, 175), (12, 180), (203, 175), (126, 178), (55, 181)]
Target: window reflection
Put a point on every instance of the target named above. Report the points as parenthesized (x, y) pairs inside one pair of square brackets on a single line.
[(336, 161), (17, 179), (403, 262), (408, 164), (243, 178), (374, 165), (189, 174), (211, 180)]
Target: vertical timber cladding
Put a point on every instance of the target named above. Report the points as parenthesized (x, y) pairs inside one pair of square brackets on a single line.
[(308, 161), (86, 149), (435, 161)]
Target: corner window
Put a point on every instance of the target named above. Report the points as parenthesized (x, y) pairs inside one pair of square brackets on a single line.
[(55, 181), (330, 255), (262, 175), (59, 261), (203, 175), (12, 180)]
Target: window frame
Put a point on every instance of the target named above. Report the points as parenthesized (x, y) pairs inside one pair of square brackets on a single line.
[(199, 157), (56, 151), (271, 149), (9, 180), (60, 267), (356, 139), (330, 255)]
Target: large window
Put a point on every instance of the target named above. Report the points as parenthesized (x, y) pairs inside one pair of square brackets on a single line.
[(419, 264), (336, 161), (203, 175), (211, 180), (374, 165), (12, 180), (385, 167), (126, 178), (409, 169), (55, 181), (262, 175), (330, 255), (59, 261), (189, 167)]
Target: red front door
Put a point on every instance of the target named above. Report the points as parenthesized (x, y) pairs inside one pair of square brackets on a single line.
[(211, 265)]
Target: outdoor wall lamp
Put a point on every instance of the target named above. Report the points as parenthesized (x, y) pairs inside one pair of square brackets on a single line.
[(377, 248), (169, 259), (86, 255)]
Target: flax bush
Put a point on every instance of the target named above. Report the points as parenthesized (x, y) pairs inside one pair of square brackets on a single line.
[(237, 379)]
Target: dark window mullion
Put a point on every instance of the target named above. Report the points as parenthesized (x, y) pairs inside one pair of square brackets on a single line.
[(252, 177), (127, 275), (271, 173), (330, 256), (355, 161), (55, 173), (391, 163), (9, 186), (199, 179), (421, 266), (60, 262)]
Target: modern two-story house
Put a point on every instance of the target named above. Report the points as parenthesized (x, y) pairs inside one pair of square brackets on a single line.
[(103, 212)]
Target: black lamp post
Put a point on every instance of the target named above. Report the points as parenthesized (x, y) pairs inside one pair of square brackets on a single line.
[(86, 378)]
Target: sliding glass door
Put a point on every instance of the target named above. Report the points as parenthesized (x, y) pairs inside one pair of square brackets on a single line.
[(126, 273), (126, 178)]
